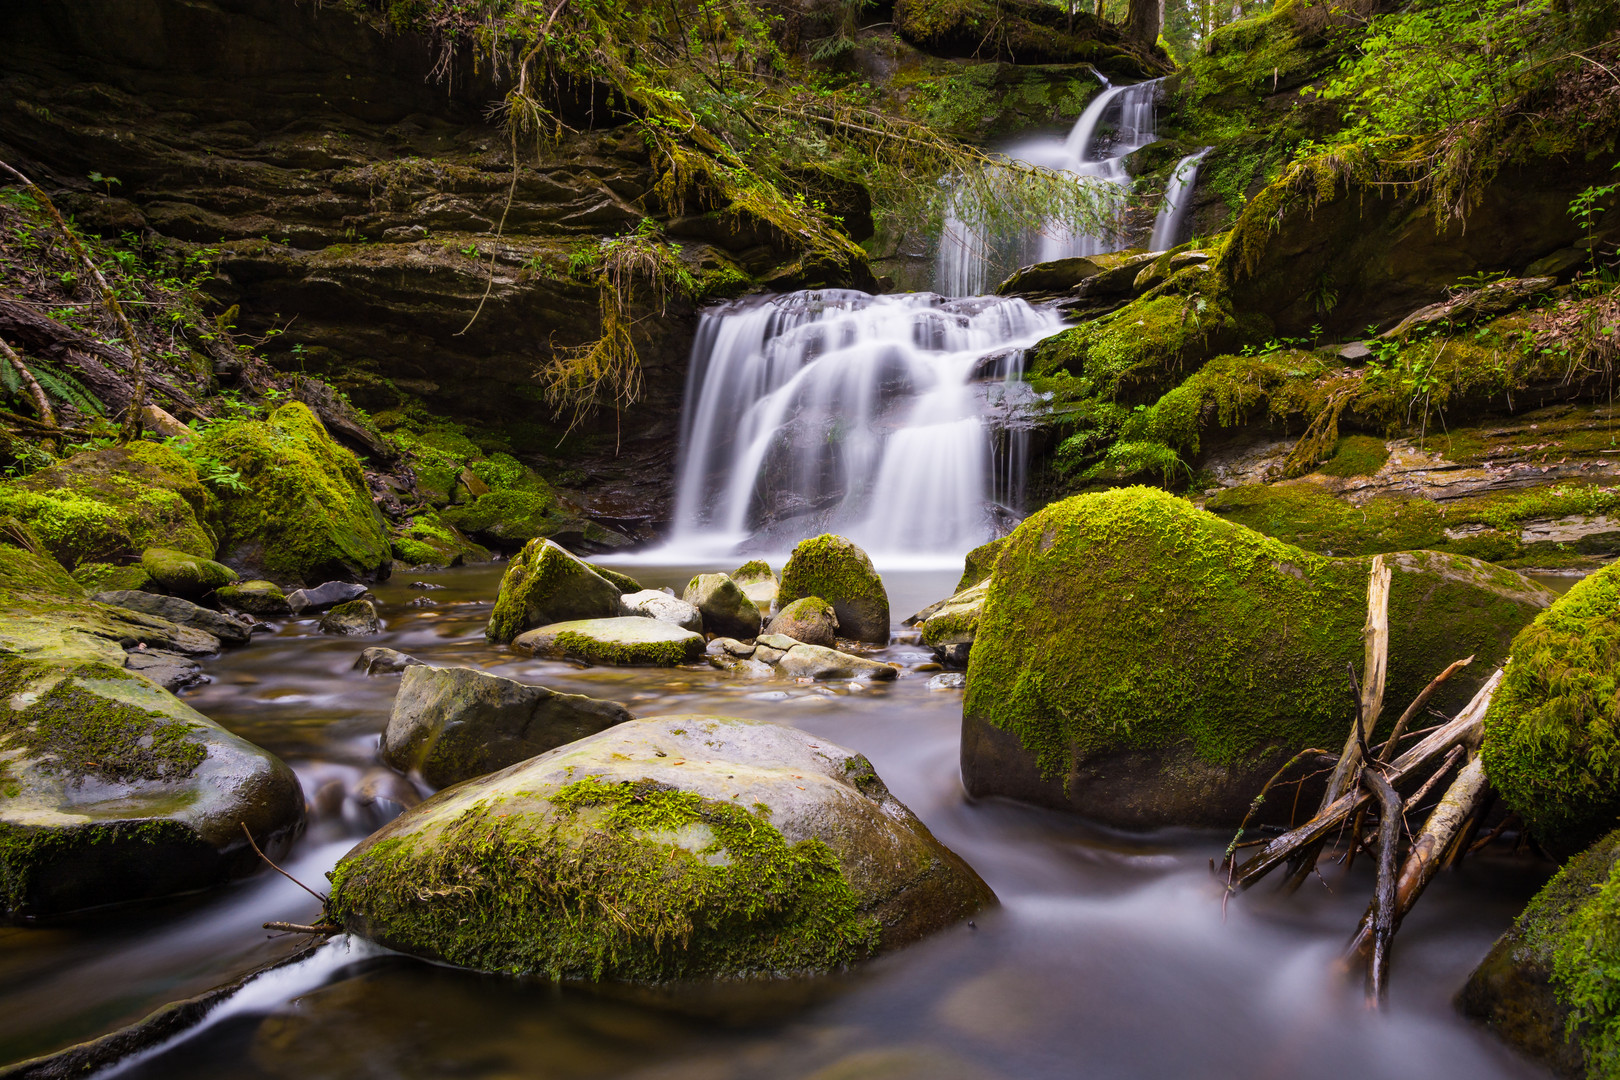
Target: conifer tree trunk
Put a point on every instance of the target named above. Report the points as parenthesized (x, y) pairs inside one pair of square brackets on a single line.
[(1142, 22)]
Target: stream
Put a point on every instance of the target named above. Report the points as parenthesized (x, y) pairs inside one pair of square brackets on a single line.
[(1109, 955)]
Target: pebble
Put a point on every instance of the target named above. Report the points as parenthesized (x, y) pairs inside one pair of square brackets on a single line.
[(423, 585), (950, 680), (771, 695), (930, 666)]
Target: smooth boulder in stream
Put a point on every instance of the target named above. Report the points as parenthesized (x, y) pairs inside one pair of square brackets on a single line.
[(451, 724), (726, 609), (809, 619), (114, 791), (681, 847), (627, 641), (838, 571), (545, 584), (1144, 663)]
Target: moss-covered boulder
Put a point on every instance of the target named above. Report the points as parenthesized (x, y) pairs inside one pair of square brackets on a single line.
[(113, 791), (226, 628), (950, 626), (625, 582), (185, 575), (839, 572), (452, 724), (979, 562), (300, 512), (725, 608), (352, 618), (1560, 962), (1144, 663), (110, 505), (545, 584), (809, 619), (1552, 734), (262, 598), (681, 847), (758, 582), (107, 577), (428, 540), (627, 641)]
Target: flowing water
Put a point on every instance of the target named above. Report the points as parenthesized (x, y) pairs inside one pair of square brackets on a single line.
[(1172, 217), (891, 419), (972, 255), (1108, 956)]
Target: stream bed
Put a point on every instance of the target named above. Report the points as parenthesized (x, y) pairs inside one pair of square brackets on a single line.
[(1110, 954)]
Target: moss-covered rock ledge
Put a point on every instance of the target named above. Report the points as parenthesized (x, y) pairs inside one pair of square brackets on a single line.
[(1145, 663), (671, 848)]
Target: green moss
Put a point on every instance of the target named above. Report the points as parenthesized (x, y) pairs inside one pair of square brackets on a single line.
[(79, 733), (107, 505), (426, 540), (1356, 455), (835, 569), (597, 890), (1552, 735), (29, 852), (188, 575), (623, 582), (105, 577), (1573, 927), (511, 515), (1319, 521), (1130, 620), (595, 650), (536, 577), (754, 570), (979, 562), (304, 512)]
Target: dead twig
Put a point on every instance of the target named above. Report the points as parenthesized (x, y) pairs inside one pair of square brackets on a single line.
[(1383, 923), (321, 929), (42, 404), (277, 869)]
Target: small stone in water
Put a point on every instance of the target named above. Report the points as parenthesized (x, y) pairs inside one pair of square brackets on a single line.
[(929, 667), (857, 687), (423, 585), (950, 680), (422, 601), (770, 695)]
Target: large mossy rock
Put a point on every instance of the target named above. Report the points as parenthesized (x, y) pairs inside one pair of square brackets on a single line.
[(1145, 663), (545, 584), (1552, 734), (626, 641), (758, 582), (183, 574), (1562, 955), (110, 505), (839, 572), (674, 848), (725, 608), (302, 512), (113, 791), (177, 610), (452, 724), (809, 619)]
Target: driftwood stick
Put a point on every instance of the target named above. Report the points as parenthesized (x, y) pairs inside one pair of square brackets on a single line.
[(1423, 861), (137, 402), (1417, 705), (277, 869), (1376, 636), (1384, 898), (1464, 842), (323, 929), (1434, 778), (1465, 728), (1485, 840), (1260, 799), (42, 403)]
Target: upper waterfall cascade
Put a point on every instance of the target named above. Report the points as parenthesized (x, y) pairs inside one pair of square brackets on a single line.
[(873, 416)]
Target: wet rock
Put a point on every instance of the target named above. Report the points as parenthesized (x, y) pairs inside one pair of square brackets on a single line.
[(809, 619), (950, 680), (839, 572), (1520, 991), (724, 646), (324, 596), (170, 670), (380, 661), (655, 604), (1497, 298), (184, 612), (816, 662), (423, 585), (624, 582), (758, 583), (304, 511), (357, 618), (762, 849), (107, 577), (742, 667), (545, 584), (451, 724), (979, 562), (1145, 663), (725, 608), (115, 791), (184, 575), (263, 598), (948, 626), (1057, 276), (628, 641)]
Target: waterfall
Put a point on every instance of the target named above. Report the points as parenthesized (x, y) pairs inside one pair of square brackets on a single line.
[(968, 251), (1177, 194), (881, 417)]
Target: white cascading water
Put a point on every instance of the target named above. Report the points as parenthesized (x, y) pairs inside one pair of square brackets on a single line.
[(1177, 196), (868, 415), (968, 251)]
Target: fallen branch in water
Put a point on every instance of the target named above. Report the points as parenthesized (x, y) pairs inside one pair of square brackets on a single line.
[(1383, 915), (319, 929), (278, 869)]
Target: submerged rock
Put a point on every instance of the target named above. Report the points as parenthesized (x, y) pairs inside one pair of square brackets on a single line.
[(1552, 733), (655, 604), (545, 584), (627, 641), (1145, 663), (809, 619), (185, 575), (115, 791), (262, 598), (839, 572), (725, 608), (1562, 953), (356, 618), (176, 610), (679, 847), (324, 596), (380, 661), (451, 724)]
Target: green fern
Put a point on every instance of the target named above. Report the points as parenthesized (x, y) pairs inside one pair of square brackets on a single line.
[(58, 385)]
